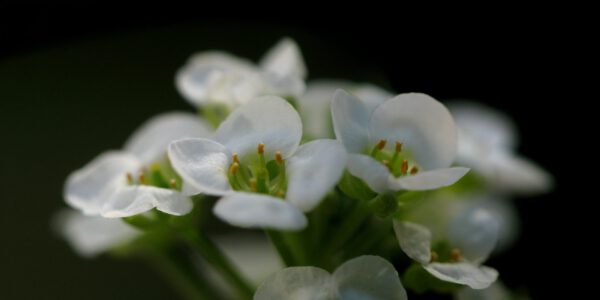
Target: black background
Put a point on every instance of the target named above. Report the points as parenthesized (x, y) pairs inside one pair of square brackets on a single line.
[(76, 82)]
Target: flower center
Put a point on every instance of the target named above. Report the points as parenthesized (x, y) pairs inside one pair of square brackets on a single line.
[(262, 176), (444, 252), (398, 162), (157, 176)]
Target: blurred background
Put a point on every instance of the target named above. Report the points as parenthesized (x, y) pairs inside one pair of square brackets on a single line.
[(75, 84)]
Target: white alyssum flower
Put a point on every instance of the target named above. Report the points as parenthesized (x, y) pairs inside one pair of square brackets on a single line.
[(496, 291), (486, 143), (255, 162), (219, 77), (405, 143), (90, 236), (115, 184), (471, 236), (364, 277), (314, 105)]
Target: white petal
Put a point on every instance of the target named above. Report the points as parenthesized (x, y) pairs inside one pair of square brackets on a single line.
[(188, 190), (269, 120), (90, 236), (149, 142), (315, 107), (428, 180), (476, 277), (136, 199), (496, 291), (296, 283), (313, 171), (474, 232), (372, 172), (201, 163), (371, 95), (415, 240), (368, 277), (421, 123), (506, 215), (89, 187), (350, 121), (284, 59), (485, 124), (259, 211), (282, 86), (519, 175)]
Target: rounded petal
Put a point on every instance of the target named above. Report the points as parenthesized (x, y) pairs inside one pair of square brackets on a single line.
[(259, 211), (284, 59), (476, 277), (474, 232), (421, 123), (313, 171), (415, 240), (372, 172), (149, 142), (89, 187), (496, 291), (485, 124), (202, 164), (520, 175), (350, 121), (371, 95), (296, 283), (428, 180), (368, 277), (506, 215), (137, 199), (269, 120), (315, 107), (90, 236)]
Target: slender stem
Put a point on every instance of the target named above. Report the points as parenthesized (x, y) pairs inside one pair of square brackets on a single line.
[(297, 244), (282, 248), (213, 255), (181, 275)]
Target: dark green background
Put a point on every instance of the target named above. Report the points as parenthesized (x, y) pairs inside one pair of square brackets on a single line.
[(68, 96)]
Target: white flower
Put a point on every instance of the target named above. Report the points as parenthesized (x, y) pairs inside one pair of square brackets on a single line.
[(314, 105), (471, 237), (364, 277), (496, 291), (90, 236), (405, 143), (255, 160), (486, 143), (218, 77), (115, 184)]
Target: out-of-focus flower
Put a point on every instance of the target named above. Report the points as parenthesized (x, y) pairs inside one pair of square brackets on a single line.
[(119, 184), (406, 143), (90, 236), (496, 291), (486, 143), (364, 277), (219, 77), (255, 162), (315, 104), (456, 256)]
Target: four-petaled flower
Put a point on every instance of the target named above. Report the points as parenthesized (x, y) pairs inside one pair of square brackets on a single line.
[(255, 162), (405, 143)]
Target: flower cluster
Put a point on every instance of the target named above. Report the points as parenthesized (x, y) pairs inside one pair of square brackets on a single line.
[(341, 177)]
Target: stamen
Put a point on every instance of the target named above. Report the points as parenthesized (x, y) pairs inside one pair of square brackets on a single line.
[(129, 178), (278, 158), (434, 256), (414, 170), (253, 184), (381, 144), (404, 166), (173, 183), (234, 168), (142, 178), (455, 255), (235, 158), (398, 147), (261, 149)]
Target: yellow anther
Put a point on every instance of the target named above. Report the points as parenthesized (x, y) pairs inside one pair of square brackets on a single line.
[(404, 166), (129, 178), (173, 183), (398, 147), (234, 168), (142, 178), (414, 170), (381, 144), (455, 255), (434, 256), (278, 157), (235, 158), (260, 149)]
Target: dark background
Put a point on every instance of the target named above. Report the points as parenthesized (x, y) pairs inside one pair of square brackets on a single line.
[(75, 83)]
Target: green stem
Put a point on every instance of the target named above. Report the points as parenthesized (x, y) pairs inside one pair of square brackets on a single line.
[(213, 255), (282, 248), (297, 242), (182, 276)]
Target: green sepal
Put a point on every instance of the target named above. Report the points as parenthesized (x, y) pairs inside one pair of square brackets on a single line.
[(355, 188)]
